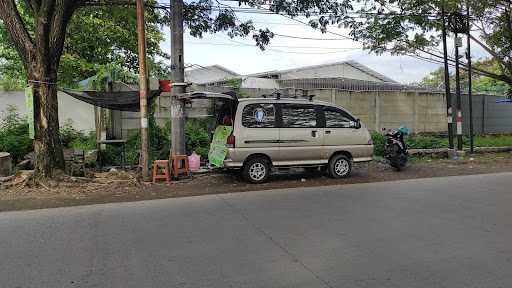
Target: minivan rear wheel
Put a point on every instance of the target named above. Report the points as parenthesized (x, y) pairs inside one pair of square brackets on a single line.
[(256, 170), (340, 166)]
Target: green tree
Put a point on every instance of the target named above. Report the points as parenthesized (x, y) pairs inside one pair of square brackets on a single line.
[(413, 26), (95, 37), (483, 84)]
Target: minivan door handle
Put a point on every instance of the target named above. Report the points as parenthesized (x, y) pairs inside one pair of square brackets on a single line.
[(328, 132), (314, 133)]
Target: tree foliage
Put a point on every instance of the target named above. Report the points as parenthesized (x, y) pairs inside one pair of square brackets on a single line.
[(411, 26), (481, 84), (96, 36)]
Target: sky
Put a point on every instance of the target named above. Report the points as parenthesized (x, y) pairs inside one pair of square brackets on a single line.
[(242, 56)]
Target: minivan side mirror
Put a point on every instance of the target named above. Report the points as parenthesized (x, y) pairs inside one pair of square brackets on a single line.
[(356, 124)]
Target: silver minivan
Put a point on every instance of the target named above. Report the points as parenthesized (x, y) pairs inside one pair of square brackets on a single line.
[(290, 132)]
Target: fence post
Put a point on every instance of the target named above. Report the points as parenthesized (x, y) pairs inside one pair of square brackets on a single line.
[(484, 107), (377, 111)]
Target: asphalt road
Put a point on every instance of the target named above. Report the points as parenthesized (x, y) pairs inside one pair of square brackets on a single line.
[(440, 232)]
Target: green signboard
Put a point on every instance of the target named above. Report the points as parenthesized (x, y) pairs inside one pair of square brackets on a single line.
[(218, 149), (29, 102)]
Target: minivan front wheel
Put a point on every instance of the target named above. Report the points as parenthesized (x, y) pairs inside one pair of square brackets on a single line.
[(256, 170), (340, 166)]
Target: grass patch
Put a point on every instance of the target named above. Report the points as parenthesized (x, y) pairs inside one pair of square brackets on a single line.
[(418, 141), (491, 141)]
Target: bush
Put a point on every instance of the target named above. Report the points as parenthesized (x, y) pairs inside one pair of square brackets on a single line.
[(159, 145), (378, 143), (424, 142), (197, 137), (413, 142), (70, 137), (84, 142), (14, 137)]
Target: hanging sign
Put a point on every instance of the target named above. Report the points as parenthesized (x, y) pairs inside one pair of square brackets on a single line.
[(218, 149), (29, 103)]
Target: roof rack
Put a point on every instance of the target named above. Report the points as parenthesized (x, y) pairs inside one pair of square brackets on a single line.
[(279, 96)]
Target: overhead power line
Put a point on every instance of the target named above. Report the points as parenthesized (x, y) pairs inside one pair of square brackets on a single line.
[(274, 46), (309, 38)]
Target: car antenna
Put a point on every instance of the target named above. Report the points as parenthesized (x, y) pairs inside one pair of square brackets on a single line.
[(311, 97), (278, 96)]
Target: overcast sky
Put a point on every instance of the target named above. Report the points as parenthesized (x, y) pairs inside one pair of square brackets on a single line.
[(245, 59)]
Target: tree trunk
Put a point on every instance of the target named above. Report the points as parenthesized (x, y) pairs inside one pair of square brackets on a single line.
[(47, 144), (40, 52)]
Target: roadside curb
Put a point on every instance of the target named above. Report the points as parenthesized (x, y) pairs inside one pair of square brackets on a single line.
[(444, 152)]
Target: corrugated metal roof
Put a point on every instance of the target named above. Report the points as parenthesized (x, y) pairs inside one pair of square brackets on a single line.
[(209, 74), (351, 63)]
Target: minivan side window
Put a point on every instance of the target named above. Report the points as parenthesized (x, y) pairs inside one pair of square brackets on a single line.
[(299, 116), (336, 118), (259, 116)]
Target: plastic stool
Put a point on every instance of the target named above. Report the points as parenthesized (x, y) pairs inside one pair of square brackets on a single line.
[(180, 165), (161, 165)]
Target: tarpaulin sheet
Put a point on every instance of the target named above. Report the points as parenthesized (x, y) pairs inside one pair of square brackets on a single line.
[(121, 101)]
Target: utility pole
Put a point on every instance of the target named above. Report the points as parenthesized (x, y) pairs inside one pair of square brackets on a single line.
[(143, 89), (178, 79), (448, 92), (470, 84), (458, 43)]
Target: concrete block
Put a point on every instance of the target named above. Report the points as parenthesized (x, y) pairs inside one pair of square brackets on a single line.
[(456, 155), (5, 164)]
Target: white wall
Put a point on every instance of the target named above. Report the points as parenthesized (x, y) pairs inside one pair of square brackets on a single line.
[(80, 113), (263, 83)]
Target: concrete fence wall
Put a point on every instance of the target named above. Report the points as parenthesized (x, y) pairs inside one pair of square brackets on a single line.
[(80, 114), (420, 111)]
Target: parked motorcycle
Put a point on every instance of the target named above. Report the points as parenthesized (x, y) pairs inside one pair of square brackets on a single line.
[(395, 149)]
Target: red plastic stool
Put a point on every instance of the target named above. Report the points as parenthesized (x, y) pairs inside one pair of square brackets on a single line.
[(180, 165), (161, 171)]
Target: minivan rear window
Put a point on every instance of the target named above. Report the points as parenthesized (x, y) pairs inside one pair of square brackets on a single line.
[(259, 116)]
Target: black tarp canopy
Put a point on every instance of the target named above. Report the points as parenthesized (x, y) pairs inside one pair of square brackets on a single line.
[(121, 101)]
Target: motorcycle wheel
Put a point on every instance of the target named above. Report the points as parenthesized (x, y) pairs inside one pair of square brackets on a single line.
[(397, 159)]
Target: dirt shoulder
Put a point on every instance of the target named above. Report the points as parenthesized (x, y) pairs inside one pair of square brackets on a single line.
[(124, 187)]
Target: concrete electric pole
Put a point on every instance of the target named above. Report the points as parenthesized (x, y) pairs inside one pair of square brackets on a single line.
[(178, 79), (143, 89), (458, 44), (449, 109), (458, 24), (470, 80)]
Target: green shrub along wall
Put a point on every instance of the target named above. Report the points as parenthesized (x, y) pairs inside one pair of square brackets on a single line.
[(418, 141), (14, 135), (197, 138), (15, 140)]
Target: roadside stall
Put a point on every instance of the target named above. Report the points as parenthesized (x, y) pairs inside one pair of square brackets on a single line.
[(224, 107)]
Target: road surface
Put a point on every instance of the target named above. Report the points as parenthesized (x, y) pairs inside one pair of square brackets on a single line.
[(440, 232)]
